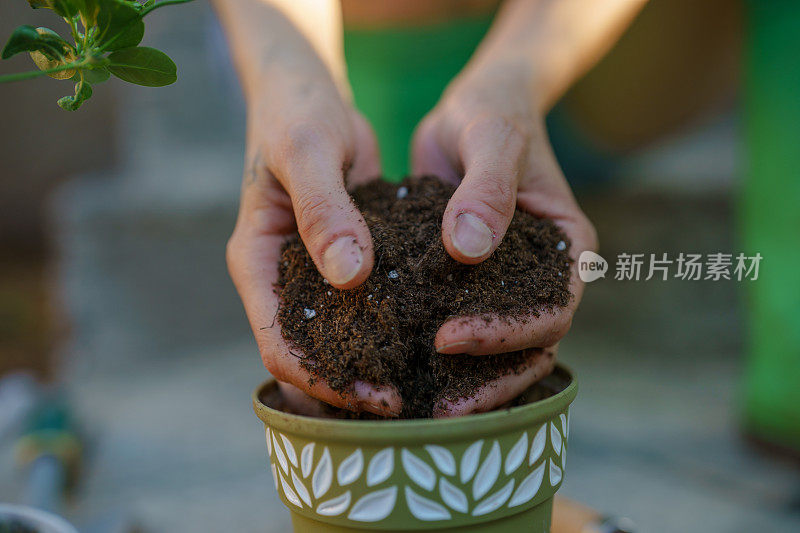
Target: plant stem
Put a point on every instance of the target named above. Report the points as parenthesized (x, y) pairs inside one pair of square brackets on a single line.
[(162, 4), (37, 73), (74, 28)]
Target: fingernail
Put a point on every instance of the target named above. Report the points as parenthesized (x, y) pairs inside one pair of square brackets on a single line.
[(342, 260), (457, 347), (471, 236), (379, 409)]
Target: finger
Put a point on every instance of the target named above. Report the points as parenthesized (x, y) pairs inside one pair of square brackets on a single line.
[(478, 214), (295, 400), (478, 336), (379, 400), (366, 165), (427, 156), (252, 254), (309, 164), (253, 269), (545, 193), (503, 389)]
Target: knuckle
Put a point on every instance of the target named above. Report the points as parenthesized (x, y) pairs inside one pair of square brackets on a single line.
[(556, 331), (588, 233), (562, 328), (312, 211), (508, 127), (496, 192), (592, 237), (302, 138), (273, 366), (233, 251)]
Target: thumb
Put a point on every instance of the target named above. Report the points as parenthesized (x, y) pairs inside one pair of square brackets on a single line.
[(331, 226), (479, 212)]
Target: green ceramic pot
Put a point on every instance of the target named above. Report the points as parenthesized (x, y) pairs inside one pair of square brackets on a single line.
[(495, 471)]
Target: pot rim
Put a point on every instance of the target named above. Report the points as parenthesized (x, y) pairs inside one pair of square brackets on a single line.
[(415, 430), (44, 521)]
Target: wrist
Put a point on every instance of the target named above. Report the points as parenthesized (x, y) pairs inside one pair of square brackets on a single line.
[(507, 86), (289, 79)]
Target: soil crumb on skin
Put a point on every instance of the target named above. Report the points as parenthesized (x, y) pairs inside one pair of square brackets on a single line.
[(383, 331)]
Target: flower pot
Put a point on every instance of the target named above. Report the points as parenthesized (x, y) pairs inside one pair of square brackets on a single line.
[(494, 471), (26, 518)]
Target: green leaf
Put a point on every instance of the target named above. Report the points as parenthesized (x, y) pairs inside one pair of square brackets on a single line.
[(83, 91), (129, 37), (42, 62), (55, 43), (89, 10), (119, 25), (94, 76), (64, 8), (29, 39), (23, 39), (143, 66)]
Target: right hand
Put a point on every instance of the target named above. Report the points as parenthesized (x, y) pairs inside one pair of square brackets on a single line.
[(303, 140)]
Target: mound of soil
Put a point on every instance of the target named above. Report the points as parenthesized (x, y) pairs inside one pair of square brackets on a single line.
[(382, 332)]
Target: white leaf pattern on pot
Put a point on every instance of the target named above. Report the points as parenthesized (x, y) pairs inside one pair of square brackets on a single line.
[(380, 467), (442, 458), (323, 475), (453, 496), (301, 489), (289, 493), (569, 418), (555, 474), (307, 459), (279, 454), (516, 456), (487, 473), (379, 504), (494, 501), (555, 438), (274, 474), (374, 506), (334, 506), (425, 509), (537, 446), (469, 461), (290, 453), (529, 487), (419, 471), (350, 468)]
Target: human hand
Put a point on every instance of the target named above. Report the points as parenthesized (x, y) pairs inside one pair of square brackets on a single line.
[(302, 140), (487, 136)]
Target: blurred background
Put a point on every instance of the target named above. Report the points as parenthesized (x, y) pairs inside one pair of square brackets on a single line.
[(116, 307)]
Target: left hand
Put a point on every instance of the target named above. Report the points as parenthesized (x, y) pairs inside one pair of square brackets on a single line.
[(487, 136)]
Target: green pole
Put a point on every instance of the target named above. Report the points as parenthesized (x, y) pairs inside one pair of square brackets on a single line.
[(770, 219)]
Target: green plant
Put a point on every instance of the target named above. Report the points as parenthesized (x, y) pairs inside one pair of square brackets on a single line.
[(106, 35)]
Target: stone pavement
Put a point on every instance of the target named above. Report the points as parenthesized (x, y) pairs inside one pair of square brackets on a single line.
[(160, 363)]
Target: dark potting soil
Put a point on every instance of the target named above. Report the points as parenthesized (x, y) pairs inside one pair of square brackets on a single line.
[(382, 332), (546, 387)]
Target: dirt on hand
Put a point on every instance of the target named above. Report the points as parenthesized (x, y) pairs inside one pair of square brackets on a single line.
[(383, 331)]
